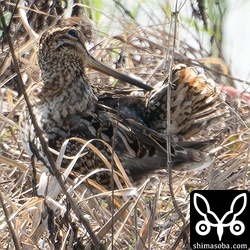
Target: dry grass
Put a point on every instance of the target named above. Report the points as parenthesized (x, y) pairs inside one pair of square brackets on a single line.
[(140, 217)]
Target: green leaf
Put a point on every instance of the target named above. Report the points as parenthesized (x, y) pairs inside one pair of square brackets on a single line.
[(7, 18)]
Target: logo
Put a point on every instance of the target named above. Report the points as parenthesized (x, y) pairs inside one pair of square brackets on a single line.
[(219, 217)]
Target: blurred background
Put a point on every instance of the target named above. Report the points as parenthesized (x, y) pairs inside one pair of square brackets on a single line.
[(221, 27)]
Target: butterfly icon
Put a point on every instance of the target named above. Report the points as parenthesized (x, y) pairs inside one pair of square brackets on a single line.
[(203, 227)]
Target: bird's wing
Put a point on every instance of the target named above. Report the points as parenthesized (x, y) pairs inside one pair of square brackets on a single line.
[(149, 148)]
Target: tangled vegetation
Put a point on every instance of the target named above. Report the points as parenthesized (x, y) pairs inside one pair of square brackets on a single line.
[(145, 41)]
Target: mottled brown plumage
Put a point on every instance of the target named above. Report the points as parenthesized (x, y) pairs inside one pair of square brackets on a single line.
[(65, 106), (196, 104)]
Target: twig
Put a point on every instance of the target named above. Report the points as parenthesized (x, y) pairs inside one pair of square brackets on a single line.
[(45, 148), (124, 8), (12, 231), (181, 235), (175, 14)]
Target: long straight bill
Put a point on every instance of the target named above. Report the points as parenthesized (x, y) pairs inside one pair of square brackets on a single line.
[(94, 64)]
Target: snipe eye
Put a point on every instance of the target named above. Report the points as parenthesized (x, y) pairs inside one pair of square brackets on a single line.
[(73, 33)]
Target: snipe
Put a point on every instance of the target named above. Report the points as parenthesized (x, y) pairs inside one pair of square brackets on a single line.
[(65, 106), (196, 104)]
